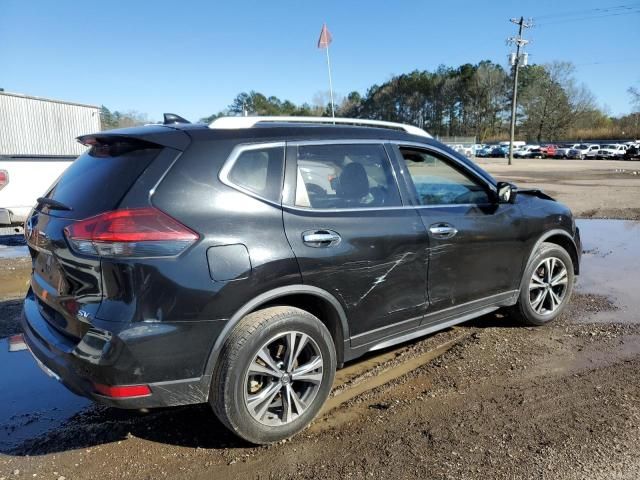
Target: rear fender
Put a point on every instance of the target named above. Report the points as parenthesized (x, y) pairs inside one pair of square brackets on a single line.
[(269, 298)]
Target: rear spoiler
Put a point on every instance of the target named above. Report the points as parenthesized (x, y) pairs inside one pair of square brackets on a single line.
[(157, 135)]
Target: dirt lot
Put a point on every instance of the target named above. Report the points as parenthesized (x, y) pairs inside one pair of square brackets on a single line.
[(488, 399), (592, 188)]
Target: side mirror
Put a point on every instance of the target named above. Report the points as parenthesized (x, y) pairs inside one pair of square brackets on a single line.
[(506, 192)]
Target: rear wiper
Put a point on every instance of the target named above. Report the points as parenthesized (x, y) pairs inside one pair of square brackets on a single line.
[(53, 204)]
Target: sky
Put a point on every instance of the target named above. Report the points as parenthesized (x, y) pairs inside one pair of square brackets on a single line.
[(193, 57)]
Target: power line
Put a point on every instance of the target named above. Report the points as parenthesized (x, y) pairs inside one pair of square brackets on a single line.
[(608, 62), (591, 17), (589, 11)]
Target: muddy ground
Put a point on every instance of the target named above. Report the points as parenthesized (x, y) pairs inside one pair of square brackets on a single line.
[(487, 399)]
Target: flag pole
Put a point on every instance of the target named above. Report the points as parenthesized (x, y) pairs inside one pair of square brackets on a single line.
[(333, 113)]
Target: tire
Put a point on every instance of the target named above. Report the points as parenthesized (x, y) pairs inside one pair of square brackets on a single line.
[(270, 331), (527, 309)]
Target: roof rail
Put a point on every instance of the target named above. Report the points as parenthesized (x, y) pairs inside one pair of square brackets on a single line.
[(231, 123)]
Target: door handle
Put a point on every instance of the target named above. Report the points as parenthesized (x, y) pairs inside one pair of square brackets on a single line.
[(442, 230), (321, 238)]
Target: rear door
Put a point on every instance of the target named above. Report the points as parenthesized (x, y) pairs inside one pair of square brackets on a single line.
[(477, 245), (66, 284), (345, 220)]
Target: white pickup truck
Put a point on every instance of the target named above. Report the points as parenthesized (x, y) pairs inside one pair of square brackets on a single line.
[(22, 181), (37, 143), (583, 151), (614, 151)]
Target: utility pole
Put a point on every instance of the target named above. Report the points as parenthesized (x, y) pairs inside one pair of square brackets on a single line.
[(515, 60)]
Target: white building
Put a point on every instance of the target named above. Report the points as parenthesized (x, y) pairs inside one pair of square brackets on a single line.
[(37, 142)]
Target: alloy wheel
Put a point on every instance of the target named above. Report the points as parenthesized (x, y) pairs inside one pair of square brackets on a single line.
[(283, 378), (548, 286)]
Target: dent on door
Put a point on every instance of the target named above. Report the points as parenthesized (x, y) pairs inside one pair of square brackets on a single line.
[(373, 262)]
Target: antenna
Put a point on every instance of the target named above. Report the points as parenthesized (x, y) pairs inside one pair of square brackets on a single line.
[(172, 118)]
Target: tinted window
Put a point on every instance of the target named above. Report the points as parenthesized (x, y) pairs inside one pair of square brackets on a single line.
[(260, 172), (438, 183), (345, 176), (97, 180)]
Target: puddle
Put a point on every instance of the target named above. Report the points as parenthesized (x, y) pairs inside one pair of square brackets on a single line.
[(13, 246), (611, 266), (31, 403), (15, 251), (13, 240)]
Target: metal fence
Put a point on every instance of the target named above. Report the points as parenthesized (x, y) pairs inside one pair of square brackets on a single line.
[(37, 126), (466, 141)]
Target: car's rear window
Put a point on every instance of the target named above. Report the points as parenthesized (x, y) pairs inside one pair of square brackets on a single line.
[(98, 179)]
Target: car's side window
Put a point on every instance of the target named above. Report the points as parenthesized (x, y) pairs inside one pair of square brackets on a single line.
[(259, 171), (437, 182), (332, 176)]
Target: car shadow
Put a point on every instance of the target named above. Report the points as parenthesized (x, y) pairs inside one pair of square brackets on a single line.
[(190, 426), (502, 318)]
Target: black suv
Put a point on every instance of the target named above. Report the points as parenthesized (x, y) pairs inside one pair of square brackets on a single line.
[(241, 263)]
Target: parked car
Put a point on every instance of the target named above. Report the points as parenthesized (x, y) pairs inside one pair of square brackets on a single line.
[(583, 150), (485, 151), (549, 151), (613, 151), (633, 152), (242, 262), (464, 150), (592, 154), (516, 144), (524, 151), (477, 147), (563, 150), (535, 153), (499, 152)]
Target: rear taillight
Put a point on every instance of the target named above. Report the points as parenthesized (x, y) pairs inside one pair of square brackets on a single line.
[(4, 179), (126, 391), (138, 232)]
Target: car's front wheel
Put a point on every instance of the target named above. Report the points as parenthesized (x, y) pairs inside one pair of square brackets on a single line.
[(546, 286), (273, 375)]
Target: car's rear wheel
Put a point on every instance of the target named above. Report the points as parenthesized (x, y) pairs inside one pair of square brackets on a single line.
[(274, 374), (546, 286)]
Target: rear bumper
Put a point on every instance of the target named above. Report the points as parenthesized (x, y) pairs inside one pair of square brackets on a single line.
[(109, 359)]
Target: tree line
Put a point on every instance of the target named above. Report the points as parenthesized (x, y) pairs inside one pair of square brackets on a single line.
[(469, 100)]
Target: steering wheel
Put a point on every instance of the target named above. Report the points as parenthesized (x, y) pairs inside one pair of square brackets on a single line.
[(315, 189)]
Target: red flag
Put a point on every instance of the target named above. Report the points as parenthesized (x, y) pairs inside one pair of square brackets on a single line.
[(325, 37)]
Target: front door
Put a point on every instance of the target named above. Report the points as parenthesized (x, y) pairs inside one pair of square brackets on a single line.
[(345, 220), (476, 244)]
